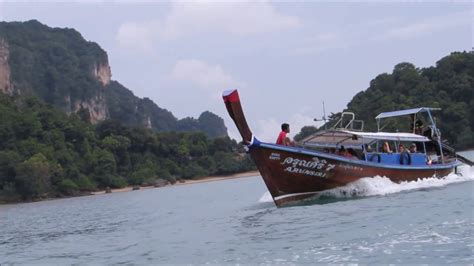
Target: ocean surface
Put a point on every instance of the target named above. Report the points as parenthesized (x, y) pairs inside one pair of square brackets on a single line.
[(235, 221)]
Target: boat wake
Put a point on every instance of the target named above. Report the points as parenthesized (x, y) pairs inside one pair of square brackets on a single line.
[(379, 186)]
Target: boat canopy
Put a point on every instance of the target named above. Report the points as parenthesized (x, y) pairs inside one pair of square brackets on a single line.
[(405, 112), (390, 136), (334, 138)]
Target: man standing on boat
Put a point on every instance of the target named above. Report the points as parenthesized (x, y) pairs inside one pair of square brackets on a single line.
[(283, 139)]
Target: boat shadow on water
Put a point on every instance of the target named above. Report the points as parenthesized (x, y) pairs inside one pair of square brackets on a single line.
[(324, 198)]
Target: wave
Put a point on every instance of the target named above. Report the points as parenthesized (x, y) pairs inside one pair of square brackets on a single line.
[(380, 185)]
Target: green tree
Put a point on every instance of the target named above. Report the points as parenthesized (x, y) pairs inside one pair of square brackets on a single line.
[(141, 175), (305, 132), (105, 169), (449, 85), (8, 162), (32, 177), (68, 187)]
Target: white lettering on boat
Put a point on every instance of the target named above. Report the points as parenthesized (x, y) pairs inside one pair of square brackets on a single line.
[(274, 156), (315, 167), (351, 167), (304, 171)]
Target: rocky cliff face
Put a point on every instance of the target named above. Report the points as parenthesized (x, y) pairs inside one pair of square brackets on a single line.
[(96, 106), (5, 84), (101, 71)]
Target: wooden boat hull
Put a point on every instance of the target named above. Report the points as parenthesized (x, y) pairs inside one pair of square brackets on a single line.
[(294, 174)]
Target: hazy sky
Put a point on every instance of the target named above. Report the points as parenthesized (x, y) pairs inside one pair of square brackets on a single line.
[(284, 58)]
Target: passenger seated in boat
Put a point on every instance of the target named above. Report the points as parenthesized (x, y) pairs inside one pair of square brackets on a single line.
[(418, 127), (401, 148), (386, 148), (283, 138), (413, 148), (368, 148), (352, 152), (343, 152)]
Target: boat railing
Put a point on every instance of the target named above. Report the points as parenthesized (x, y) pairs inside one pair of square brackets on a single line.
[(348, 121), (357, 125)]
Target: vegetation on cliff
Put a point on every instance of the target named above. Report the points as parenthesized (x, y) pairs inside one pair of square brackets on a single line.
[(54, 64), (448, 85), (62, 69), (47, 153)]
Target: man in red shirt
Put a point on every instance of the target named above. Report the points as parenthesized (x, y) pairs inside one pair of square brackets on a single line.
[(282, 137)]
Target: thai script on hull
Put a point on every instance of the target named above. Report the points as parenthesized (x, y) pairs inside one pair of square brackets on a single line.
[(314, 167)]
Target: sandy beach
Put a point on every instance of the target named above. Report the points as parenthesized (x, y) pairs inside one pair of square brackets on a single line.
[(187, 182)]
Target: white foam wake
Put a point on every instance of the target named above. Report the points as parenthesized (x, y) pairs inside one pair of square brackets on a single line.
[(377, 185), (267, 197)]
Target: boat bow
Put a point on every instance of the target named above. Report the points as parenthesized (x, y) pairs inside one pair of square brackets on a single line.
[(234, 108)]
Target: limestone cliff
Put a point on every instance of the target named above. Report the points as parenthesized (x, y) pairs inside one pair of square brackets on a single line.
[(5, 84), (96, 106), (101, 71), (147, 123)]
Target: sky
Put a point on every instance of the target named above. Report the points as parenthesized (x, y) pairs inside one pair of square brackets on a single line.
[(285, 58)]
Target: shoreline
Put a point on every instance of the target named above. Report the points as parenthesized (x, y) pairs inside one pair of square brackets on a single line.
[(130, 188), (186, 182)]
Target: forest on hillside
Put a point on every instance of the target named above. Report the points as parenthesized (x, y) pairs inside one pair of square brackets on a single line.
[(449, 85), (57, 65), (46, 153)]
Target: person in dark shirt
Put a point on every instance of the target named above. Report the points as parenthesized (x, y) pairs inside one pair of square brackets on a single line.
[(418, 127), (413, 148), (401, 148)]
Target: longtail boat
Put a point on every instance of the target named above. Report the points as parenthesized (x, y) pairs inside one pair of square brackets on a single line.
[(321, 161)]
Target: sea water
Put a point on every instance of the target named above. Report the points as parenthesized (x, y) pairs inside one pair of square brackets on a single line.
[(235, 221)]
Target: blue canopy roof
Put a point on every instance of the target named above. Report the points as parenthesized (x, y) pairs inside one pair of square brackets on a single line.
[(405, 112)]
